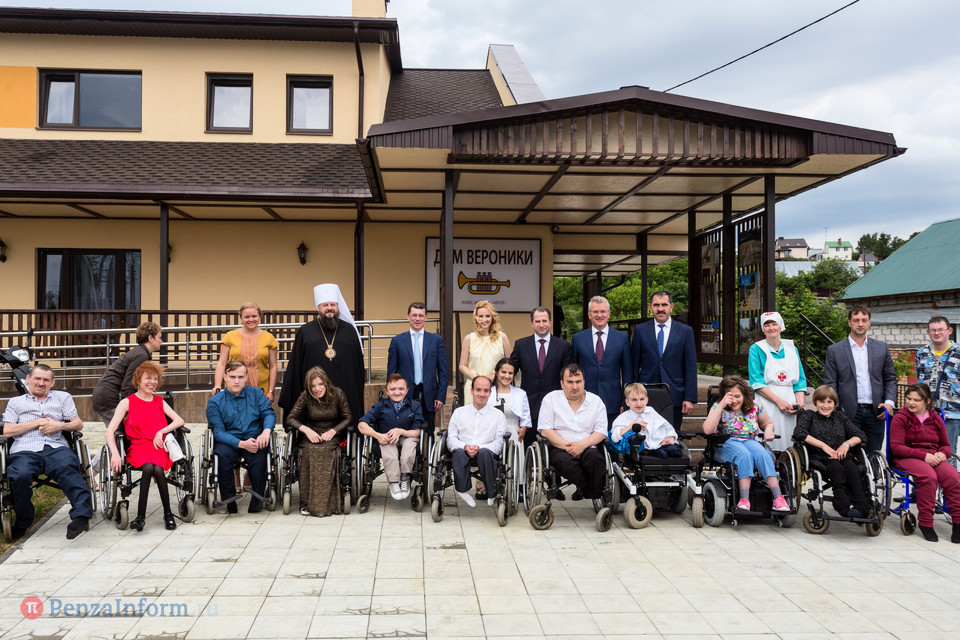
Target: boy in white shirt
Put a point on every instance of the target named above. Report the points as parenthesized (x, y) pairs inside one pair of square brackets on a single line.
[(661, 438)]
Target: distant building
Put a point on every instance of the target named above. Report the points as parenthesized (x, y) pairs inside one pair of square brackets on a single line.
[(791, 248), (919, 280), (815, 254), (839, 250), (867, 260)]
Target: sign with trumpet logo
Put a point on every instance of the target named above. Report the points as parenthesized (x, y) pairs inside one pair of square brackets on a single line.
[(505, 272)]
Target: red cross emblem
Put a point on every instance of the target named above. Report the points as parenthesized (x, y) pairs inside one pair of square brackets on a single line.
[(781, 377)]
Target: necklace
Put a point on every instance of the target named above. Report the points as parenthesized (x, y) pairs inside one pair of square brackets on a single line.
[(331, 353)]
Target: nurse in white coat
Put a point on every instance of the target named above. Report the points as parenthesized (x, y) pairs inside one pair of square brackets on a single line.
[(777, 378)]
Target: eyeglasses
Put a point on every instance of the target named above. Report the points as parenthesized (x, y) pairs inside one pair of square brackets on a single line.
[(937, 330)]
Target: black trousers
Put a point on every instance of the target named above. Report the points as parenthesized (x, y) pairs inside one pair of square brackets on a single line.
[(847, 486), (587, 472), (486, 462), (256, 468)]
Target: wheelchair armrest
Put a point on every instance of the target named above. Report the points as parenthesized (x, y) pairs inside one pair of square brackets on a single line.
[(686, 435), (717, 439), (184, 429)]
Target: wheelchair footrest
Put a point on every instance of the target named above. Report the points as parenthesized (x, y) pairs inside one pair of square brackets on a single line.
[(235, 498)]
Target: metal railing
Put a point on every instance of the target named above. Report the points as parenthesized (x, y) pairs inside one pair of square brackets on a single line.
[(813, 343), (81, 356)]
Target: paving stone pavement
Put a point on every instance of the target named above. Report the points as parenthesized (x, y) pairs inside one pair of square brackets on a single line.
[(392, 572)]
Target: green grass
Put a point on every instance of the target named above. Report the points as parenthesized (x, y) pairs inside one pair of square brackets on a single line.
[(44, 499)]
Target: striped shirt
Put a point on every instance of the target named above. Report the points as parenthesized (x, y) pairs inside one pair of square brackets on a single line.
[(58, 406)]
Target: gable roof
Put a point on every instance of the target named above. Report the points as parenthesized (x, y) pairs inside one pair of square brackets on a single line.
[(422, 93), (789, 243), (839, 245), (929, 262)]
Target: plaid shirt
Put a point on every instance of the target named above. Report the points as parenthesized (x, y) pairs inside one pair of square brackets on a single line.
[(943, 376), (58, 406)]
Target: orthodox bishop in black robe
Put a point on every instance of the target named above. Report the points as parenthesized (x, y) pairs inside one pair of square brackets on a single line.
[(330, 341)]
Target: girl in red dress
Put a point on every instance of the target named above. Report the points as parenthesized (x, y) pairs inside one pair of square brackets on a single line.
[(144, 415)]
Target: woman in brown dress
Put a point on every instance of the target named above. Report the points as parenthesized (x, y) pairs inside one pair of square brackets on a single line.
[(321, 415)]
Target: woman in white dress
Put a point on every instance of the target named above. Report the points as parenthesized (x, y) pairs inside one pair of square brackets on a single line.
[(777, 378), (482, 348), (516, 408)]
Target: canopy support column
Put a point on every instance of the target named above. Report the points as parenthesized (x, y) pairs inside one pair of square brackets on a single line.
[(358, 260), (446, 264), (769, 275), (728, 248), (644, 256)]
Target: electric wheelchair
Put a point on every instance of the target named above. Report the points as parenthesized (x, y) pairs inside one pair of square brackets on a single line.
[(286, 473), (77, 445), (209, 469), (717, 489), (114, 489), (873, 474), (650, 482), (440, 476)]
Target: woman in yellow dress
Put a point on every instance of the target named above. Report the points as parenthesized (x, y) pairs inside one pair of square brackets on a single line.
[(254, 347)]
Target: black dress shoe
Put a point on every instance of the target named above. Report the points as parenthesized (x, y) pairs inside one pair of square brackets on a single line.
[(137, 524), (578, 495), (169, 522), (481, 494), (560, 496), (928, 533), (232, 507), (18, 532), (77, 526), (955, 536), (255, 507)]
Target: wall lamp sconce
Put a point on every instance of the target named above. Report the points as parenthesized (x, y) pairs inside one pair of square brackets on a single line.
[(302, 253), (3, 250), (169, 253)]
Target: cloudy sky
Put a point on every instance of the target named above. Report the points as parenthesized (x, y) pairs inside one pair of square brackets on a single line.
[(888, 65)]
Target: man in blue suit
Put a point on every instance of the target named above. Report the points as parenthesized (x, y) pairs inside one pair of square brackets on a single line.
[(604, 355), (421, 358), (663, 351)]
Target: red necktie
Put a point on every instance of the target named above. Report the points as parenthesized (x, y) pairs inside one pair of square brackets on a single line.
[(599, 346), (542, 356)]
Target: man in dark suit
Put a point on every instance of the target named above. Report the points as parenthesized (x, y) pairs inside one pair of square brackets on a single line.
[(538, 359), (861, 372), (663, 351), (604, 355), (421, 358)]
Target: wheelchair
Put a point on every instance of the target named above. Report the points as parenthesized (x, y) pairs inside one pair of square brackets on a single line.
[(542, 483), (649, 482), (287, 474), (77, 445), (209, 469), (369, 468), (440, 476), (894, 476), (873, 475), (114, 489)]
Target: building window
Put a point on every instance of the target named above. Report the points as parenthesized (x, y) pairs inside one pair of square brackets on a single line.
[(310, 105), (90, 100), (88, 279), (229, 103)]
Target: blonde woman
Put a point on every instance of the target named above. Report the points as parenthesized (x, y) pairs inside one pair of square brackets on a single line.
[(482, 348), (254, 347)]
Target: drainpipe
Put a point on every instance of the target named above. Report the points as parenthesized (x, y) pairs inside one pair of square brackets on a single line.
[(356, 43)]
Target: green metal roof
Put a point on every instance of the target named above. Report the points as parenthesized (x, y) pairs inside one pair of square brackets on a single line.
[(837, 245), (928, 262)]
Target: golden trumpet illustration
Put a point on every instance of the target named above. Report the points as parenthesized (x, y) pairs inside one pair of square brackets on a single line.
[(483, 284)]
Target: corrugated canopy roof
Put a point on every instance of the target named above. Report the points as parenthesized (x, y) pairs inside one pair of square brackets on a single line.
[(928, 262)]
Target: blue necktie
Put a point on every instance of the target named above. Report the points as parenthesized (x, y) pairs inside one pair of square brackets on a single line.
[(417, 364), (660, 340)]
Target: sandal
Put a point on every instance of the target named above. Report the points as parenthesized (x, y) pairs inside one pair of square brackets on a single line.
[(137, 524), (169, 521)]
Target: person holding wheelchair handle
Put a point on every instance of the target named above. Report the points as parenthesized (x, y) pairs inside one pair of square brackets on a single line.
[(144, 415), (919, 446), (242, 419), (831, 435), (394, 423), (739, 417)]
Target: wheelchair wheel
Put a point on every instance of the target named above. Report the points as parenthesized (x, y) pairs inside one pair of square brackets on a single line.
[(7, 526), (533, 480), (696, 512), (501, 512), (873, 529), (882, 491), (908, 523), (121, 516), (681, 504), (181, 475), (788, 468), (540, 517), (188, 510), (604, 519), (347, 503), (363, 503), (714, 504), (814, 523), (416, 500), (88, 475), (211, 498), (354, 474), (436, 508), (106, 485), (638, 511), (287, 497), (515, 487), (271, 502)]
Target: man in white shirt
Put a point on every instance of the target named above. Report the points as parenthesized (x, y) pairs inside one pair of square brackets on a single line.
[(475, 437), (35, 422), (574, 422)]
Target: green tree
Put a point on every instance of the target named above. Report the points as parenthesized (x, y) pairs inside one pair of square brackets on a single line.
[(880, 244), (832, 274), (827, 314)]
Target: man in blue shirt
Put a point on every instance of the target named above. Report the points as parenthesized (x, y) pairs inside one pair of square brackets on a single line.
[(242, 420)]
